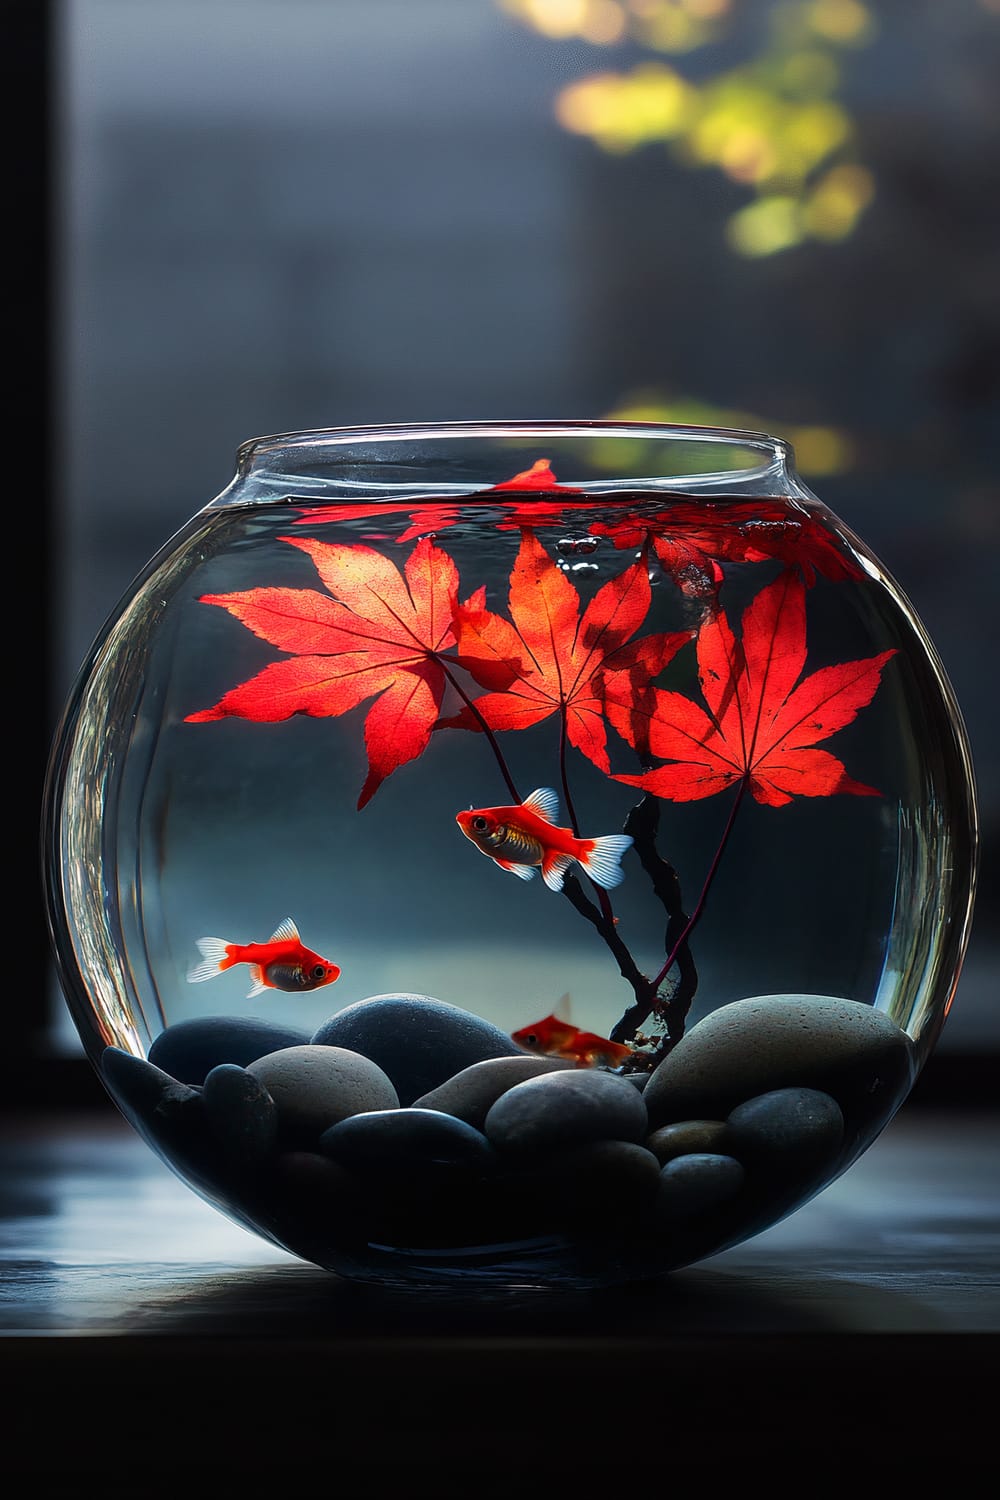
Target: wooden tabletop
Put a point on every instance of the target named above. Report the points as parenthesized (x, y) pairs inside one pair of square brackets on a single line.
[(136, 1318)]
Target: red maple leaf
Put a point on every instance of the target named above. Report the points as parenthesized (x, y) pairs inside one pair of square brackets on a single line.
[(548, 659), (690, 536), (376, 633), (538, 477), (430, 516), (762, 722)]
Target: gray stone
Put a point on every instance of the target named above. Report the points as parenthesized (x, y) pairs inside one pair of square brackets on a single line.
[(687, 1136), (566, 1109), (786, 1131), (750, 1047), (190, 1049), (470, 1094), (417, 1041), (240, 1112), (315, 1086), (697, 1184)]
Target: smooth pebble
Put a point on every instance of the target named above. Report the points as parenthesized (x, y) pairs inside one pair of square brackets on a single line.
[(599, 1180), (749, 1047), (407, 1142), (470, 1094), (696, 1184), (313, 1087), (566, 1108), (240, 1111), (687, 1136), (417, 1041), (189, 1050), (787, 1130)]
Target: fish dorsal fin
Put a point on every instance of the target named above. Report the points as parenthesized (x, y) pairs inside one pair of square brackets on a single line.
[(563, 1009), (285, 930), (544, 803)]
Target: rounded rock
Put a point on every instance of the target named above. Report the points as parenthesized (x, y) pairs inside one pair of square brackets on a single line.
[(470, 1094), (169, 1115), (593, 1187), (190, 1049), (240, 1111), (697, 1184), (314, 1087), (316, 1196), (787, 1130), (313, 1179), (153, 1100), (566, 1109), (685, 1137), (417, 1041), (610, 1174), (407, 1143), (841, 1047)]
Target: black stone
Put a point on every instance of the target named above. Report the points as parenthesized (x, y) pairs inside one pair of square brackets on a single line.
[(189, 1050), (417, 1041)]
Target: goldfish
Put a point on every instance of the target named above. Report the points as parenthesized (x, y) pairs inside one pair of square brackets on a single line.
[(282, 963), (525, 837), (554, 1037)]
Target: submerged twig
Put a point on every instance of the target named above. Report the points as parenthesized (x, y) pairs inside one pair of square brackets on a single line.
[(602, 918), (712, 871), (643, 824), (632, 1019), (604, 900), (626, 963)]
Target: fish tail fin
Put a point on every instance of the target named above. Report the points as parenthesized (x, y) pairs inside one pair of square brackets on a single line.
[(603, 860), (259, 984), (554, 867), (214, 958)]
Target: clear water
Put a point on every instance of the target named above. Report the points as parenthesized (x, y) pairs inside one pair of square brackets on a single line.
[(167, 827)]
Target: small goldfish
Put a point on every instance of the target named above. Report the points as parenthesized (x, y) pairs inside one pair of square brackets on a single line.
[(282, 963), (554, 1037), (522, 838)]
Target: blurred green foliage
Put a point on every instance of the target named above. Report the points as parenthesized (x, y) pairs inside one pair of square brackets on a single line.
[(772, 120)]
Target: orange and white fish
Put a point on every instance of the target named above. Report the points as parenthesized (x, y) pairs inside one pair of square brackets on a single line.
[(526, 837), (282, 963), (554, 1037)]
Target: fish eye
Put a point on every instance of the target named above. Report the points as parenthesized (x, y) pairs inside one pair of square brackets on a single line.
[(318, 971), (530, 1039), (480, 824)]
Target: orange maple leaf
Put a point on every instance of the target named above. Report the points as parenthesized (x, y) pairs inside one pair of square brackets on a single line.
[(375, 633), (548, 658)]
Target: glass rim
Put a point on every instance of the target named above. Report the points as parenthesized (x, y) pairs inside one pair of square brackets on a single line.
[(775, 451)]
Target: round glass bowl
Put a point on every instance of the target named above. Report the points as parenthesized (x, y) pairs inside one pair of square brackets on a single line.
[(510, 853)]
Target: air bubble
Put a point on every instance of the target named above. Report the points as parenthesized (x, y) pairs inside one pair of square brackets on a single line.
[(575, 546)]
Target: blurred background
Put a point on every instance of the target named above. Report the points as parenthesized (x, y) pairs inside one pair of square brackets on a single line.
[(263, 215)]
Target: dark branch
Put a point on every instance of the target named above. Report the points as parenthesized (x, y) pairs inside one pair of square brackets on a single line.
[(643, 824), (573, 890)]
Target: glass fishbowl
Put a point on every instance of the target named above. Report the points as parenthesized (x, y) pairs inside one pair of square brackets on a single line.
[(510, 854)]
